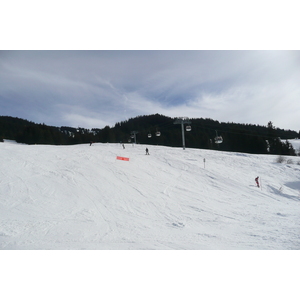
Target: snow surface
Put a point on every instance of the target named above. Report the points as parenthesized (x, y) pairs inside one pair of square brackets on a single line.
[(82, 197)]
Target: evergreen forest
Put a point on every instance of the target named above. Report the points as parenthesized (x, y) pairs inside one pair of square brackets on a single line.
[(158, 130)]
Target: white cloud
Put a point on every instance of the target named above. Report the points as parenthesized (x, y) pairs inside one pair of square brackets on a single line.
[(111, 86)]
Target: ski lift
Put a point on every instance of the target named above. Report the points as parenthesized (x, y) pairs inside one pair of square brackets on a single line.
[(188, 128), (157, 133), (132, 136), (149, 135), (218, 139), (129, 140)]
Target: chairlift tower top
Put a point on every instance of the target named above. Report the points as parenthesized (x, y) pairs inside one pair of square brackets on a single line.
[(185, 120), (133, 133)]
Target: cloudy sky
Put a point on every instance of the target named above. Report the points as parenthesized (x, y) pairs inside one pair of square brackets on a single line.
[(93, 89)]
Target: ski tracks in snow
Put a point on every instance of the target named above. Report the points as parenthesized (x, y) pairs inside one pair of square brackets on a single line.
[(81, 197)]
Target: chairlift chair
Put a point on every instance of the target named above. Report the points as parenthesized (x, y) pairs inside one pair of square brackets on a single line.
[(149, 135), (157, 133), (188, 128), (218, 139)]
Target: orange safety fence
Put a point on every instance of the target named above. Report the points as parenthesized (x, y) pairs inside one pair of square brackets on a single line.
[(123, 158)]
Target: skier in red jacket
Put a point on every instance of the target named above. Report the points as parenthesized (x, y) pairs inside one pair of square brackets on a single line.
[(256, 180)]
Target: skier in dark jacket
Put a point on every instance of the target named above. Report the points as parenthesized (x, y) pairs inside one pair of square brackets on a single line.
[(147, 151)]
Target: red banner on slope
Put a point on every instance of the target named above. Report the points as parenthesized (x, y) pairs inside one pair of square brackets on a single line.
[(123, 158)]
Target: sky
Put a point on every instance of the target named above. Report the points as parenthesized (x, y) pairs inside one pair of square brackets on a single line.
[(92, 89), (100, 63)]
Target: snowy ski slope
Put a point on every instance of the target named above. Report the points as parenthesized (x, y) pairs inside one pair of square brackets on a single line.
[(82, 197)]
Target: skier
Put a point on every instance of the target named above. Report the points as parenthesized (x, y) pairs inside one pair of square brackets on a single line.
[(147, 151), (256, 180)]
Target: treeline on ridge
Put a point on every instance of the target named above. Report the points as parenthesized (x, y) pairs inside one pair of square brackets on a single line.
[(246, 138)]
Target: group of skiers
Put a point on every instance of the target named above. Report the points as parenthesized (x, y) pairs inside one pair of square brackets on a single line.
[(147, 151)]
